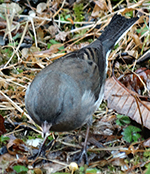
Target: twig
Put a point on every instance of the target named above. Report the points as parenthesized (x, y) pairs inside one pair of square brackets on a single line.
[(16, 50), (59, 9), (69, 144), (17, 107)]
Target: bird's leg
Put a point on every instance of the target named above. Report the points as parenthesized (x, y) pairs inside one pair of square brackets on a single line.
[(46, 133), (84, 150), (43, 144), (45, 127)]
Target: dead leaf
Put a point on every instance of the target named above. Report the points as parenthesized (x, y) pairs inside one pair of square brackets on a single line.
[(102, 163), (100, 5), (3, 83), (46, 53), (5, 160), (17, 146), (137, 81), (41, 7), (77, 47), (136, 39), (13, 8), (34, 142), (38, 171), (52, 30), (147, 143), (2, 98), (95, 11), (123, 101), (40, 34), (20, 161), (61, 36), (2, 127), (120, 162)]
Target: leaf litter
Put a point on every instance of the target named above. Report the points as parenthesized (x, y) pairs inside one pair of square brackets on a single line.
[(29, 44)]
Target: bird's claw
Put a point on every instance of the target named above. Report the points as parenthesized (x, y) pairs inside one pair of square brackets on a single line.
[(83, 156)]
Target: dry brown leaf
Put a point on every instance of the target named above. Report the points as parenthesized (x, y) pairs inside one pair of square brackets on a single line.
[(137, 81), (52, 30), (102, 163), (2, 127), (41, 7), (77, 47), (137, 40), (40, 34), (147, 143), (17, 145), (95, 12), (120, 162), (12, 162), (123, 101), (13, 8), (5, 160), (100, 5), (55, 4), (38, 171), (61, 36), (3, 83), (54, 167), (2, 98), (126, 10), (46, 53)]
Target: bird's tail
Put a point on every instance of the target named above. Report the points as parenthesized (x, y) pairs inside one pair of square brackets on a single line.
[(116, 29)]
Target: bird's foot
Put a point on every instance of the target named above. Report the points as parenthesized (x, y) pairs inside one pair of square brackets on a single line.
[(41, 154), (83, 156)]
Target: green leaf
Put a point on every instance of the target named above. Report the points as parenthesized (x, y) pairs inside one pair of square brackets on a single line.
[(67, 16), (79, 12), (92, 170), (81, 169), (127, 135), (3, 139), (148, 169), (118, 122), (19, 70), (116, 46), (147, 153), (48, 45), (17, 36), (14, 44), (142, 30), (130, 134), (119, 116), (136, 136), (134, 129), (52, 41), (62, 18), (126, 119), (61, 48), (61, 173), (122, 120), (50, 138), (2, 16), (20, 168), (129, 14)]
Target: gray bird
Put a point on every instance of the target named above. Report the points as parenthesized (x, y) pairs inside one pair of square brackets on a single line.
[(65, 94)]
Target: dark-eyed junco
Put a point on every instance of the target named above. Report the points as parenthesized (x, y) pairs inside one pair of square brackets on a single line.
[(65, 94)]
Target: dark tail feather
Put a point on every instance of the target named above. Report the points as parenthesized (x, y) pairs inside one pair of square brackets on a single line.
[(116, 29)]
